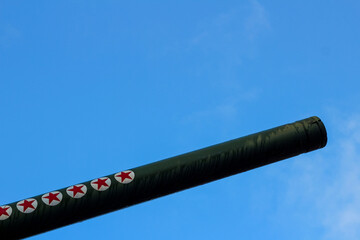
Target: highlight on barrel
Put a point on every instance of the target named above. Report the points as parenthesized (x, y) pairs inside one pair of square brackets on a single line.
[(102, 195)]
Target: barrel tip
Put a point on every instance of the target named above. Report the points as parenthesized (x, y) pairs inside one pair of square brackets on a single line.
[(317, 130)]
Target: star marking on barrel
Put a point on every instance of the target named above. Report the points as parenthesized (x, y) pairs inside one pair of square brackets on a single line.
[(27, 205), (52, 198), (125, 176), (101, 184), (5, 212), (77, 191)]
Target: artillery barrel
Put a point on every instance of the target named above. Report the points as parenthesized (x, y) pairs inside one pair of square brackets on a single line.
[(106, 194)]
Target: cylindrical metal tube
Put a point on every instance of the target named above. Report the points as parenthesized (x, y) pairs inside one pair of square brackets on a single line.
[(102, 195)]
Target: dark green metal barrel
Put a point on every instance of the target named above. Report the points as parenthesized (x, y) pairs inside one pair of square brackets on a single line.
[(82, 201)]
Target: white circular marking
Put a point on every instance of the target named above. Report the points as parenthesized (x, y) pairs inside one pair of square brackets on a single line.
[(77, 191), (27, 206), (125, 177), (101, 184), (52, 198), (5, 212)]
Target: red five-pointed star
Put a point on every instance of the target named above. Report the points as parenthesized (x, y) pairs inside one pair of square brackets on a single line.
[(27, 204), (3, 211), (101, 182), (53, 197), (76, 190), (124, 175)]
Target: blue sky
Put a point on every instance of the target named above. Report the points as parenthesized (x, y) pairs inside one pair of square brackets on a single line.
[(88, 89)]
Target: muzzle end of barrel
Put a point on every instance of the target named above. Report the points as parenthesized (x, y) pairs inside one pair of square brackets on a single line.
[(316, 133)]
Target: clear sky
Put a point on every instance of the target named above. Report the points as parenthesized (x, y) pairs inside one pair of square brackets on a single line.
[(89, 88)]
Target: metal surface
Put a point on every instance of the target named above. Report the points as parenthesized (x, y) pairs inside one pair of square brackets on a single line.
[(76, 203)]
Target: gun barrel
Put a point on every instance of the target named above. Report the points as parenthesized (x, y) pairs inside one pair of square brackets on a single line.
[(106, 194)]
